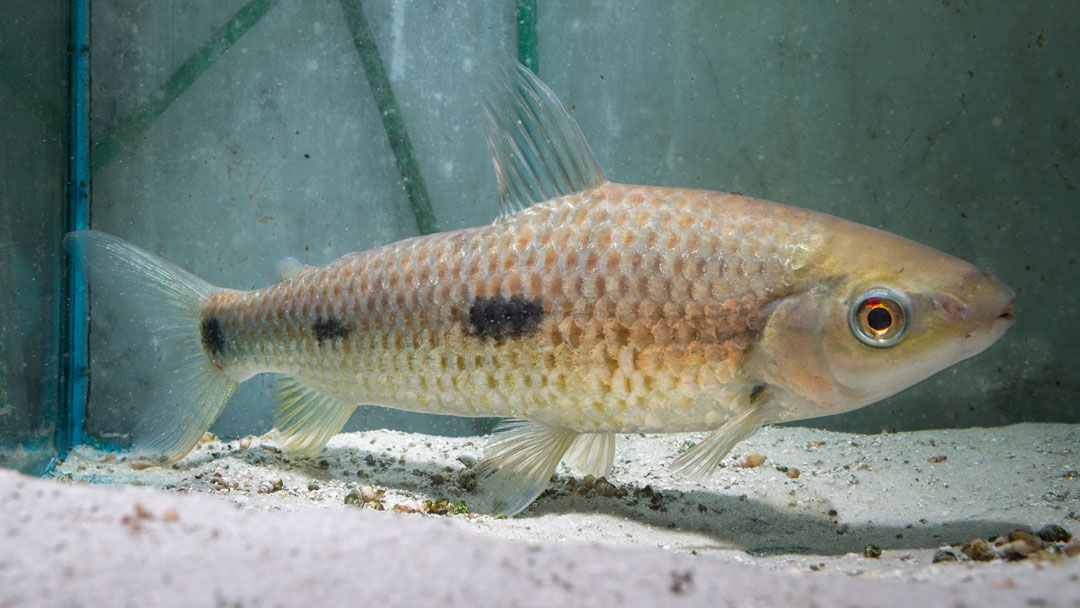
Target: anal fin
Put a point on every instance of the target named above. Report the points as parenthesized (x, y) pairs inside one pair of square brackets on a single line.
[(592, 454), (520, 461), (305, 418), (699, 462)]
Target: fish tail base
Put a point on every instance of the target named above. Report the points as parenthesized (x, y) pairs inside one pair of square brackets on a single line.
[(187, 391)]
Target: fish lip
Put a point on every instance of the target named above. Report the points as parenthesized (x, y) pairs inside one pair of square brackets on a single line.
[(995, 327), (1007, 301), (1002, 323), (1006, 317)]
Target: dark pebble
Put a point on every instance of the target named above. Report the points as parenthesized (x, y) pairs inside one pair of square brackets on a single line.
[(979, 550), (1053, 533), (944, 555)]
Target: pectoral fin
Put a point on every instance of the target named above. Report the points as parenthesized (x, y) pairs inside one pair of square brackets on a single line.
[(699, 462), (520, 461), (305, 418)]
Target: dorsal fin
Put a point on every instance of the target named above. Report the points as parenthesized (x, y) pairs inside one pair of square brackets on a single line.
[(289, 267), (538, 150)]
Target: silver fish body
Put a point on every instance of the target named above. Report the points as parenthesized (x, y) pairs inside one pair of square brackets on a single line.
[(587, 309), (620, 309)]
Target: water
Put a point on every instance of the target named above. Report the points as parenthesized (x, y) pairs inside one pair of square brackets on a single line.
[(33, 40), (230, 134)]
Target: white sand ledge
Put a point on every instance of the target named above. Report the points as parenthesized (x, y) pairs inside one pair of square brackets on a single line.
[(751, 536)]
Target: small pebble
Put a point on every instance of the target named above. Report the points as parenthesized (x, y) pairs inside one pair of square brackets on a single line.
[(367, 493), (1017, 549), (1022, 548), (937, 458), (467, 460), (1032, 541), (604, 487), (749, 460), (872, 551), (467, 480), (944, 555), (142, 512), (1053, 533), (442, 506), (979, 550), (1072, 548), (268, 486), (409, 506), (245, 443), (792, 472)]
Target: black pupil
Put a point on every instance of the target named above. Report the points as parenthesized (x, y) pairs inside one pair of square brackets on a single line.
[(879, 318)]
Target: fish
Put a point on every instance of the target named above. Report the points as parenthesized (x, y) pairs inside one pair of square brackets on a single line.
[(587, 309)]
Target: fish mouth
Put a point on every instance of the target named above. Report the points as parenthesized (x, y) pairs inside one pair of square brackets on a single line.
[(1006, 317), (993, 326), (1002, 323)]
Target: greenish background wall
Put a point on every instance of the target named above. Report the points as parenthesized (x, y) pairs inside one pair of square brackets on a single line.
[(953, 123), (33, 161)]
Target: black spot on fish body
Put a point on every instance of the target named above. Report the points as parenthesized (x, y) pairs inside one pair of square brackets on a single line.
[(499, 318), (328, 329), (212, 336)]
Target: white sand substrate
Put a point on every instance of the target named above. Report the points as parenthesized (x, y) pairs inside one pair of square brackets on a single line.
[(239, 523)]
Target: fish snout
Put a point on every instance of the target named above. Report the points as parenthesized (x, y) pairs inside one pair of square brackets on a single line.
[(986, 308), (1006, 301), (999, 300)]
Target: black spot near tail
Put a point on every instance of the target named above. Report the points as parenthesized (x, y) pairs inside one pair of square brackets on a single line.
[(212, 336), (499, 318), (328, 329)]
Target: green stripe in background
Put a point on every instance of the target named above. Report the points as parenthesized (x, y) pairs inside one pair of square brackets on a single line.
[(250, 14), (526, 35), (148, 111), (391, 116)]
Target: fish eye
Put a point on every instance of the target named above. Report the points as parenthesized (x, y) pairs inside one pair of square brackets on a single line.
[(878, 317)]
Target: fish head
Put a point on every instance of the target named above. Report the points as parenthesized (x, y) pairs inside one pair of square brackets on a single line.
[(872, 314)]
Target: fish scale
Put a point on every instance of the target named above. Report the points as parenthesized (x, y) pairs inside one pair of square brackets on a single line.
[(633, 324), (587, 309)]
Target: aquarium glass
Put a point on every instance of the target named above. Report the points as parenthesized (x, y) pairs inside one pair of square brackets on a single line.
[(33, 164), (229, 135)]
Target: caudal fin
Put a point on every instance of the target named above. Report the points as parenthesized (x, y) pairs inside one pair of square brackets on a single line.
[(187, 391)]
